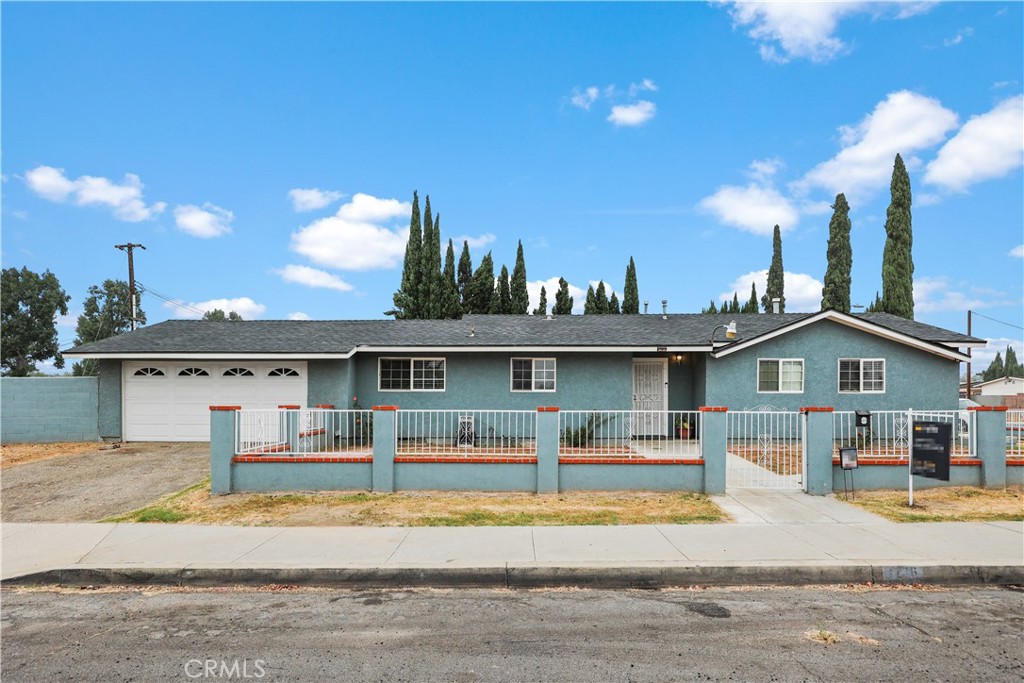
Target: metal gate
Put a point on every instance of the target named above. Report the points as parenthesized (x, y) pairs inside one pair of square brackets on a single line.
[(765, 449)]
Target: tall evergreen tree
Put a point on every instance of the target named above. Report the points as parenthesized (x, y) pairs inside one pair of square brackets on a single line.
[(451, 305), (875, 306), (481, 290), (995, 370), (465, 277), (563, 301), (835, 295), (601, 299), (519, 296), (897, 257), (504, 292), (630, 293), (435, 275), (752, 303), (407, 296), (590, 305), (712, 308), (776, 276), (542, 305), (1011, 367), (424, 304), (735, 308), (613, 304)]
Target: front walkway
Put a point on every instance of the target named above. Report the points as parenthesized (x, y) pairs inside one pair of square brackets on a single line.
[(765, 506)]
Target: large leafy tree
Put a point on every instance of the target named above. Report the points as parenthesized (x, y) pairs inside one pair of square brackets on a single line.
[(481, 290), (406, 299), (563, 301), (776, 276), (542, 305), (520, 296), (630, 293), (219, 315), (897, 257), (106, 312), (835, 295), (30, 304)]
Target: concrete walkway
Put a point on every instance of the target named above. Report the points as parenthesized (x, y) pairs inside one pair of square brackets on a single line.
[(779, 538)]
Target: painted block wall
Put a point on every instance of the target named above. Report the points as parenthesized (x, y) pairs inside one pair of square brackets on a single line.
[(48, 409), (914, 379), (110, 399)]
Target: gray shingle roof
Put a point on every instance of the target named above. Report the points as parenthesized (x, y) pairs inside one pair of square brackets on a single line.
[(315, 337)]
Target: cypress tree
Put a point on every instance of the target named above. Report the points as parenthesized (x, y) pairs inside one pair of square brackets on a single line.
[(435, 276), (406, 298), (590, 305), (601, 299), (735, 308), (424, 304), (752, 305), (775, 276), (542, 305), (481, 290), (451, 307), (465, 278), (630, 293), (613, 304), (995, 370), (875, 306), (519, 296), (504, 293), (563, 301), (835, 295), (712, 308), (1011, 367), (897, 258)]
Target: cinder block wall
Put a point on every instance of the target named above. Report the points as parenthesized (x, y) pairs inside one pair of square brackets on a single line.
[(47, 409)]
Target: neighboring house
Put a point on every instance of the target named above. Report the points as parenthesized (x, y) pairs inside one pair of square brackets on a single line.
[(1007, 391), (156, 383)]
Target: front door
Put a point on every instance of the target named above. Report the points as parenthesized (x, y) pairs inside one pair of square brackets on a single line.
[(650, 397)]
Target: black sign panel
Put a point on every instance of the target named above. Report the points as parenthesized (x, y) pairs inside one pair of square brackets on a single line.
[(931, 446)]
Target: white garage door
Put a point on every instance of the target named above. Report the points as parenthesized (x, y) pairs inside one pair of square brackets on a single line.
[(170, 401)]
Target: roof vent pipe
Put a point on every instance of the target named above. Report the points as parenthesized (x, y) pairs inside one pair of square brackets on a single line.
[(664, 309), (550, 317), (645, 306), (775, 304)]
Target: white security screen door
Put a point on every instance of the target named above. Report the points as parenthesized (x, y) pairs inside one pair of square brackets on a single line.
[(650, 397)]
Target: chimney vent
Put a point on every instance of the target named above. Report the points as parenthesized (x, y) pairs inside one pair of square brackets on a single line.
[(775, 304), (664, 309), (645, 306)]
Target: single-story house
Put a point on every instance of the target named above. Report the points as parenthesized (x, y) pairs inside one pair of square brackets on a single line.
[(156, 383), (1001, 386)]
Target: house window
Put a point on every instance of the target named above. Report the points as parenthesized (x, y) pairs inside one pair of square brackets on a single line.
[(193, 372), (533, 374), (862, 375), (149, 372), (283, 372), (411, 374), (780, 375), (238, 372)]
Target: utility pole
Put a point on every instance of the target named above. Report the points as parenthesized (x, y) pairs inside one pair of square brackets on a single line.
[(131, 274), (968, 356)]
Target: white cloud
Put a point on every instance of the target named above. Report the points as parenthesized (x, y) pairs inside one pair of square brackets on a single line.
[(125, 199), (357, 237), (959, 37), (802, 292), (762, 170), (475, 242), (244, 306), (579, 296), (311, 277), (937, 294), (298, 315), (904, 122), (982, 358), (987, 146), (313, 198), (584, 98), (1017, 251), (206, 221), (635, 114), (754, 208), (644, 85)]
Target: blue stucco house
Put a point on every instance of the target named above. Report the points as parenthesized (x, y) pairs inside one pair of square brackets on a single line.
[(156, 383)]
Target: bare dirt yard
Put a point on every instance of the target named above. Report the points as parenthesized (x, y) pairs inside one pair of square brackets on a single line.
[(87, 482)]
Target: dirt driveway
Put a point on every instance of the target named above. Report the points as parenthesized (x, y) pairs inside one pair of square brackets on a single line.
[(90, 486)]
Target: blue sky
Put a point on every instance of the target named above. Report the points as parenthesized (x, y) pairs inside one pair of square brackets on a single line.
[(266, 154)]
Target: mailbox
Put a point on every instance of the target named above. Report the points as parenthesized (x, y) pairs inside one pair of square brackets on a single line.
[(863, 418)]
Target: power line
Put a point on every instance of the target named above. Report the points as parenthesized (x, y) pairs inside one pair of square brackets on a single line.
[(177, 303), (1001, 322)]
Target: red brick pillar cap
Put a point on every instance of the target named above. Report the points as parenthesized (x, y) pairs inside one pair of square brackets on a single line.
[(289, 407), (817, 409), (714, 409), (225, 407), (325, 406), (986, 409), (547, 409), (385, 407)]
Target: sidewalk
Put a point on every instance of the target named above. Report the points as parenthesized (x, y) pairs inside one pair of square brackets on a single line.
[(778, 538)]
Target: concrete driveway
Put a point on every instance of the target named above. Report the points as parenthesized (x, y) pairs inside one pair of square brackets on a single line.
[(91, 486)]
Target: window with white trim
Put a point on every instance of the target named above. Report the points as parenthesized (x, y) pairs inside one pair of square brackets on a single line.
[(149, 372), (238, 372), (533, 374), (410, 374), (862, 375), (283, 372), (780, 375), (193, 372)]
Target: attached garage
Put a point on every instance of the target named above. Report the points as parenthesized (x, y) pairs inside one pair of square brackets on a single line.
[(170, 401)]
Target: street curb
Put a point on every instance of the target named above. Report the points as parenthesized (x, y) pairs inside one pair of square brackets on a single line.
[(527, 577)]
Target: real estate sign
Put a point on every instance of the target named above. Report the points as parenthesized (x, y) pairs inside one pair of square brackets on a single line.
[(930, 449)]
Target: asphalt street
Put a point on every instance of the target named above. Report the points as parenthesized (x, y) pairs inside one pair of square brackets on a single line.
[(752, 634)]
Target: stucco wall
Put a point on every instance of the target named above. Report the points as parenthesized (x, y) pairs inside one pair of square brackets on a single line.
[(110, 399), (329, 383), (913, 379), (48, 409)]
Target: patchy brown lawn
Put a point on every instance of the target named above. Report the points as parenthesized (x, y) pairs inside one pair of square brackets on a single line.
[(947, 504), (195, 505), (12, 454)]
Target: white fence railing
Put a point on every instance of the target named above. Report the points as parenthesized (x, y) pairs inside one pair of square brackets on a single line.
[(889, 434), (764, 449), (452, 433), (1015, 433), (630, 433), (311, 431)]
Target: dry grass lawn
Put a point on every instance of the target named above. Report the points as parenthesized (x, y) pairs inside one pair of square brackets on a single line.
[(12, 454), (195, 505), (947, 504)]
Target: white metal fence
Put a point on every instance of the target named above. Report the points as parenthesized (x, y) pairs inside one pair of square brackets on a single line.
[(321, 432), (1015, 433), (629, 433), (889, 433), (454, 433), (764, 449)]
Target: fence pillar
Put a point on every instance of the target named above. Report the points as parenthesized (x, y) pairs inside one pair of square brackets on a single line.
[(222, 446), (713, 444), (818, 444), (547, 450), (384, 442), (990, 444)]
